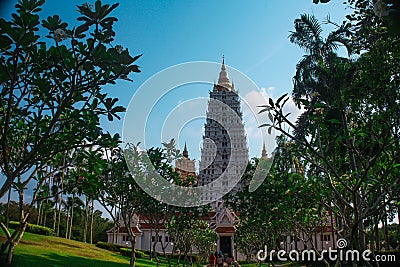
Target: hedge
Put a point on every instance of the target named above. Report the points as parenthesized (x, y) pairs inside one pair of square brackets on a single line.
[(127, 253), (33, 228), (109, 246), (147, 252), (139, 253)]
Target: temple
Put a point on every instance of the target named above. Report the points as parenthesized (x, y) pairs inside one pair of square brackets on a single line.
[(186, 168), (224, 156)]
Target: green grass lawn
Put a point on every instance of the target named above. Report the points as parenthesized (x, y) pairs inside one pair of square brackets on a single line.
[(49, 251)]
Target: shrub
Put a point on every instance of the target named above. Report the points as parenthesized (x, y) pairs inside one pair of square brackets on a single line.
[(127, 253), (13, 224), (147, 252), (109, 246), (139, 254), (33, 228)]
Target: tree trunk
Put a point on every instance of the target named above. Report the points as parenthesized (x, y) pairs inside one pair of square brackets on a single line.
[(86, 219), (41, 214), (115, 227), (67, 222), (179, 257), (59, 207), (172, 255), (151, 242), (71, 216), (8, 207), (54, 217), (133, 256), (91, 222), (39, 211), (376, 230), (10, 253), (333, 231), (315, 240), (60, 199), (362, 236), (14, 243), (114, 233), (45, 213), (59, 214), (386, 233), (154, 246)]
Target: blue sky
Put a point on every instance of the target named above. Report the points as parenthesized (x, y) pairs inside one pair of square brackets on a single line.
[(253, 36)]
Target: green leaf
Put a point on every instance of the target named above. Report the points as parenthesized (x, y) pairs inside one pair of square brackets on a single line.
[(270, 117), (81, 29), (134, 68), (53, 23), (264, 110), (280, 98), (271, 102), (97, 6), (118, 109), (5, 42)]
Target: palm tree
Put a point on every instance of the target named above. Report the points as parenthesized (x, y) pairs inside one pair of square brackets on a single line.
[(42, 204), (313, 71), (73, 202), (56, 197), (319, 74)]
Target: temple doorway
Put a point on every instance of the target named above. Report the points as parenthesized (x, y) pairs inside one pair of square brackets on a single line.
[(225, 244)]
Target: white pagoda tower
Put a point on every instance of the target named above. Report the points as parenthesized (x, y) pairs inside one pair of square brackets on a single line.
[(224, 154)]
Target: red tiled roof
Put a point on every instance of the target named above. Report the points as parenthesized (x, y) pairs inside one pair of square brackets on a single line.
[(225, 229), (323, 229), (144, 225)]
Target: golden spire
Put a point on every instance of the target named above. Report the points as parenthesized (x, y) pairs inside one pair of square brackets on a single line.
[(223, 76), (264, 152), (185, 152)]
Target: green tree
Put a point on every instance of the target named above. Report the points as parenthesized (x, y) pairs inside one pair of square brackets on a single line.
[(118, 188), (90, 165), (388, 12), (156, 213), (180, 230), (204, 239), (287, 203), (349, 132), (313, 72), (51, 96)]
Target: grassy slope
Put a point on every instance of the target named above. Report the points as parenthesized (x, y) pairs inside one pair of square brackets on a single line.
[(48, 251)]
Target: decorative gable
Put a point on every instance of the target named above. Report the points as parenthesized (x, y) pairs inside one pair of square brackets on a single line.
[(225, 217), (225, 220)]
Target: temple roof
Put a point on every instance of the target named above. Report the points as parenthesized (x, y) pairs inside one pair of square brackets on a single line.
[(223, 79)]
